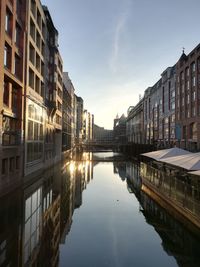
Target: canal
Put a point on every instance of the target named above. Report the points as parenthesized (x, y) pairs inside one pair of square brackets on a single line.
[(90, 211)]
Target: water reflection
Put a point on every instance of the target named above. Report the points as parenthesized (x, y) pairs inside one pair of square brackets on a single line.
[(177, 241), (36, 220)]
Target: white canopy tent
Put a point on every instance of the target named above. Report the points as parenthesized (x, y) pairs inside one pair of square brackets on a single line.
[(165, 153), (189, 161), (195, 172)]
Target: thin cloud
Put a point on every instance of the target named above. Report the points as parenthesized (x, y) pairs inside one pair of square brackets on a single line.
[(118, 31), (116, 43)]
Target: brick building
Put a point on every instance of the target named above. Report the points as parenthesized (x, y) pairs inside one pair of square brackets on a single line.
[(12, 66), (187, 100)]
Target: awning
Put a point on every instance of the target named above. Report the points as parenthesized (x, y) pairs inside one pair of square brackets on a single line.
[(189, 161), (165, 153), (195, 172)]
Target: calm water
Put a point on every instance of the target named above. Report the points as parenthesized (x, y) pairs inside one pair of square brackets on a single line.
[(86, 213)]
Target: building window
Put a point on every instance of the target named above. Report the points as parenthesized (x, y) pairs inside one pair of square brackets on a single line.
[(58, 119), (43, 28), (19, 7), (14, 99), (42, 89), (178, 89), (17, 66), (188, 98), (17, 35), (43, 49), (37, 84), (32, 29), (193, 111), (183, 88), (42, 68), (39, 20), (188, 85), (33, 7), (38, 40), (7, 56), (173, 118), (17, 163), (6, 93), (35, 132), (8, 23), (182, 76), (194, 96), (193, 67), (31, 78), (184, 132), (4, 169), (12, 164), (193, 81), (187, 72), (10, 131), (32, 54), (32, 223), (38, 62)]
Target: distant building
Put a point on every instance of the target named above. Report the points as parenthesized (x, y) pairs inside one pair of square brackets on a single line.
[(159, 111), (70, 88), (67, 118), (134, 124), (79, 120), (102, 135), (88, 126), (119, 130)]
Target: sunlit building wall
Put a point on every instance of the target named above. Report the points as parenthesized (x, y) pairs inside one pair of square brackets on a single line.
[(79, 121), (159, 111), (74, 129), (134, 124), (187, 100), (66, 119), (119, 130), (53, 92), (167, 109), (70, 88), (35, 108), (12, 66)]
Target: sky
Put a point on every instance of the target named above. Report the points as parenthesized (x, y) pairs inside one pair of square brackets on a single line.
[(114, 49)]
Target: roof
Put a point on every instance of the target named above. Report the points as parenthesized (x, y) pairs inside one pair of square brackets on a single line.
[(189, 161), (165, 153), (195, 172)]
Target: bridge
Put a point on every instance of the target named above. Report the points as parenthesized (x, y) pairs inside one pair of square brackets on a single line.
[(100, 146)]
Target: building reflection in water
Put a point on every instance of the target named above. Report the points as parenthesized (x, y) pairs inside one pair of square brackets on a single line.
[(10, 229), (75, 177), (177, 241), (36, 219)]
